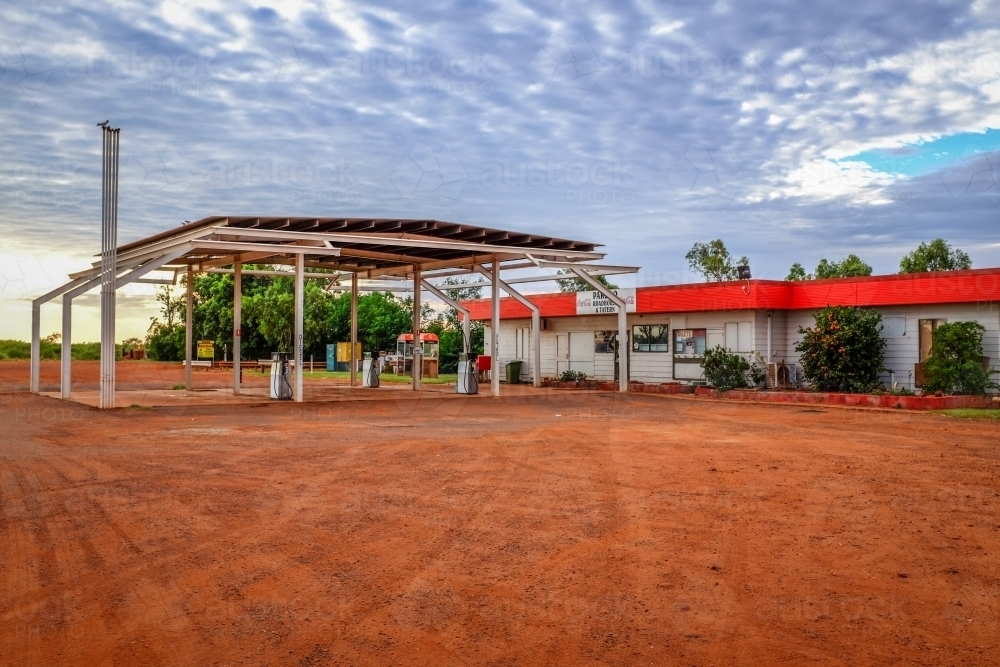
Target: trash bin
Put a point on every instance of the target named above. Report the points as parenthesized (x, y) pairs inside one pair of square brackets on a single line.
[(513, 372)]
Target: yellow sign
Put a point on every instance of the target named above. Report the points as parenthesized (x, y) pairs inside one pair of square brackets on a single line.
[(206, 349), (344, 352)]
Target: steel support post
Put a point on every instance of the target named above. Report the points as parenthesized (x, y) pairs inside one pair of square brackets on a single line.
[(417, 351), (66, 356), (354, 330), (237, 324), (495, 329), (300, 267), (622, 326), (189, 326)]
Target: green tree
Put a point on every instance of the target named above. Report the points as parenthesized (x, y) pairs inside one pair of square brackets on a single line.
[(273, 310), (844, 351), (937, 255), (850, 267), (956, 361), (577, 284), (798, 273), (713, 261)]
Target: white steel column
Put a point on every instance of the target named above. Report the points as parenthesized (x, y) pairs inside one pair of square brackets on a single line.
[(36, 346), (622, 326), (354, 330), (189, 327), (495, 326), (300, 267), (418, 349), (237, 324), (536, 322), (66, 356), (109, 264)]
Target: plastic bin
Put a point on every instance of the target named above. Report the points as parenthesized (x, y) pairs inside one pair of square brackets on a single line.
[(513, 372)]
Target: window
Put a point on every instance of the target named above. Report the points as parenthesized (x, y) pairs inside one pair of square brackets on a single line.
[(927, 328), (605, 342), (738, 337), (689, 341), (522, 343), (650, 338)]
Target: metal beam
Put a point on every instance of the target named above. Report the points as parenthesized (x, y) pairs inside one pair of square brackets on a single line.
[(622, 326), (233, 246), (354, 330), (536, 322), (495, 326), (466, 320), (410, 241)]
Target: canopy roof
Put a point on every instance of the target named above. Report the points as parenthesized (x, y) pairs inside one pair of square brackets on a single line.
[(369, 247)]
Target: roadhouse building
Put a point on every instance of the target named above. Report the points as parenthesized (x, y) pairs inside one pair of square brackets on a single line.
[(671, 326)]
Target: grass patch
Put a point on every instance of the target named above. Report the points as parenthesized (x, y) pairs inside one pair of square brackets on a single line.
[(179, 386), (991, 414)]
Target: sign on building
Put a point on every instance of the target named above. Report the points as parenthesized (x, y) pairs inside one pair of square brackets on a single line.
[(597, 303)]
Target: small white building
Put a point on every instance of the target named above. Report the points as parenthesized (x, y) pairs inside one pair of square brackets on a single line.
[(671, 326)]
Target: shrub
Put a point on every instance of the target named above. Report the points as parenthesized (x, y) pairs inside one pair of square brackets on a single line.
[(844, 351), (572, 376), (165, 342), (728, 370), (955, 365)]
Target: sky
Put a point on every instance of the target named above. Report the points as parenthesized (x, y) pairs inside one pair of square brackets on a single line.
[(793, 131)]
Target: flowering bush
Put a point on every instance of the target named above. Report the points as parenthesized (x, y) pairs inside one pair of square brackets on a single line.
[(844, 351)]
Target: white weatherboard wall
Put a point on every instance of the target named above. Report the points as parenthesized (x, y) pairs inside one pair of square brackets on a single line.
[(901, 352), (643, 366)]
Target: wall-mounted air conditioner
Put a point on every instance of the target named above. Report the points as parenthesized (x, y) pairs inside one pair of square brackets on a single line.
[(782, 376)]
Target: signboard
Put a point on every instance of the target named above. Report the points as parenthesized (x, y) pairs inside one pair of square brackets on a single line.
[(597, 303), (344, 352), (206, 349)]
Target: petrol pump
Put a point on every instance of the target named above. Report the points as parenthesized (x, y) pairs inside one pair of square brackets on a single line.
[(369, 371), (281, 387)]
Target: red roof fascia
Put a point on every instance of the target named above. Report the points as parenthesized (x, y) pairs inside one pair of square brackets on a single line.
[(972, 286)]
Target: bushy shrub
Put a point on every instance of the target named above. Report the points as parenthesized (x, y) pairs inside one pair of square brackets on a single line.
[(165, 342), (727, 370), (572, 376), (844, 351), (955, 365)]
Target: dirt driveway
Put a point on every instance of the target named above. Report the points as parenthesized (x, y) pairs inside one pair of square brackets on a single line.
[(555, 529)]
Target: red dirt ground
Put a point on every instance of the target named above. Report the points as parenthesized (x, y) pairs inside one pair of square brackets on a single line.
[(560, 528)]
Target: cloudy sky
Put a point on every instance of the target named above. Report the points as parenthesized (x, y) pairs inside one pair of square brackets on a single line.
[(791, 130)]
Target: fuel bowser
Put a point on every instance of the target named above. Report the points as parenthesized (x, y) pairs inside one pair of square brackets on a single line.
[(369, 371), (281, 387), (468, 382)]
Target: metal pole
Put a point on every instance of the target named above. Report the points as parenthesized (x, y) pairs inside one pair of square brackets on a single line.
[(109, 262), (623, 349), (354, 329), (66, 356), (189, 327), (495, 326), (237, 324), (536, 360), (36, 346), (300, 266), (622, 325), (417, 349)]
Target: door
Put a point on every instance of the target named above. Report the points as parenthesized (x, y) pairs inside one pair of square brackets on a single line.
[(562, 354), (581, 352)]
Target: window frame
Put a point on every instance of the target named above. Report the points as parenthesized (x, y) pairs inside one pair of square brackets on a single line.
[(664, 337)]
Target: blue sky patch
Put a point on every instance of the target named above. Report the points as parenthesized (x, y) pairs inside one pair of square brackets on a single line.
[(927, 156)]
